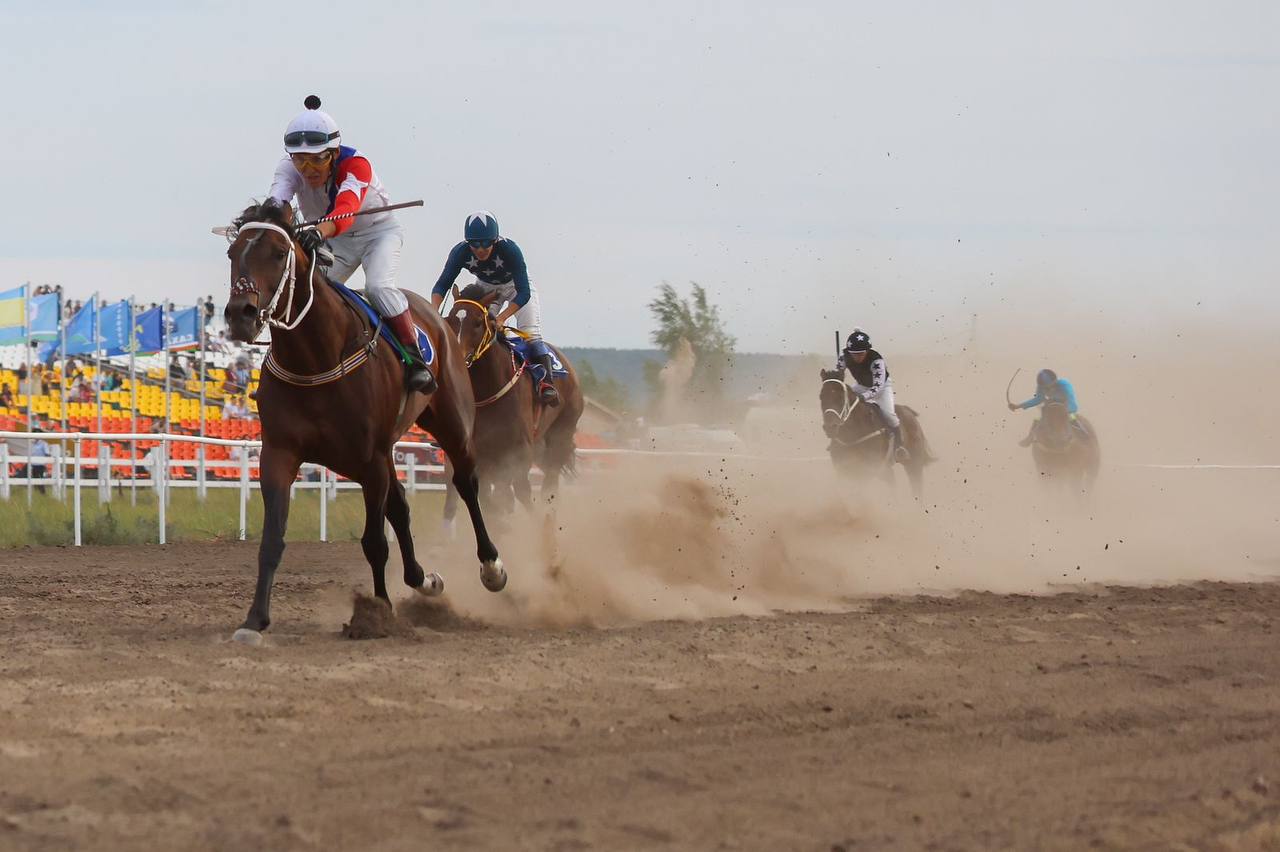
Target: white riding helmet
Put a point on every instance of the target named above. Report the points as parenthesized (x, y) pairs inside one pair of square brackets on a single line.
[(311, 130)]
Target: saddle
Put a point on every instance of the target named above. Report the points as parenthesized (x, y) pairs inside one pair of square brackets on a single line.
[(527, 352), (358, 301)]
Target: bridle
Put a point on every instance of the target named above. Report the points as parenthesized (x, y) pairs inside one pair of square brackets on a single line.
[(487, 338), (266, 316), (842, 416), (288, 276)]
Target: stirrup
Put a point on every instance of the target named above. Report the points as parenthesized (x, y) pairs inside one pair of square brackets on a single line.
[(548, 395)]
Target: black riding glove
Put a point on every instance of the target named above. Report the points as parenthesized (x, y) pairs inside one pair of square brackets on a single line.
[(310, 239)]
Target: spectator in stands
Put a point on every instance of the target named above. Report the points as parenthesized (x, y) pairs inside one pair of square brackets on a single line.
[(176, 370), (234, 408), (237, 378), (209, 310), (38, 448), (6, 397)]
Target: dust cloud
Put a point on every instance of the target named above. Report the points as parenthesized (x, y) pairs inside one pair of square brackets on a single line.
[(637, 539)]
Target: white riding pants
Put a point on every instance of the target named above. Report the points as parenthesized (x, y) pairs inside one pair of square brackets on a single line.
[(884, 402), (529, 318), (378, 253)]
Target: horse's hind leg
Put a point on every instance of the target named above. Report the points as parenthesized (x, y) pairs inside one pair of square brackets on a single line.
[(454, 436), (279, 468), (374, 540), (915, 474), (398, 514)]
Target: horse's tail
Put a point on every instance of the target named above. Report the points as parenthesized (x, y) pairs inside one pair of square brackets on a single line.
[(916, 431)]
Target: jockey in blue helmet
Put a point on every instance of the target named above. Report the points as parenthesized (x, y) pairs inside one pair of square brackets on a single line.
[(497, 262), (1049, 388)]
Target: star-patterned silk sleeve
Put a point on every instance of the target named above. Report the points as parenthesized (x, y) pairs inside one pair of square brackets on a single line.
[(452, 268), (878, 374), (519, 272)]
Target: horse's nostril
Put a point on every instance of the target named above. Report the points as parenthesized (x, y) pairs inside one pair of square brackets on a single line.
[(248, 311)]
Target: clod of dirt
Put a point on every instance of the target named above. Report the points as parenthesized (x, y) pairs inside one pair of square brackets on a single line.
[(435, 614), (373, 618)]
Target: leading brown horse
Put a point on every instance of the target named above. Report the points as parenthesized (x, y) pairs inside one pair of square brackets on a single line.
[(859, 440), (513, 431), (332, 393)]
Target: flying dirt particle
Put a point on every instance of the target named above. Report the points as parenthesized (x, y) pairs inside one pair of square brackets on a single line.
[(373, 618)]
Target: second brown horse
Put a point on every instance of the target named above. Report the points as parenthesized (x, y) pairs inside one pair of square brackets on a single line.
[(513, 431)]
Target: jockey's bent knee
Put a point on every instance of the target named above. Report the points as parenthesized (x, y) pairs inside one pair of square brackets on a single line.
[(389, 301)]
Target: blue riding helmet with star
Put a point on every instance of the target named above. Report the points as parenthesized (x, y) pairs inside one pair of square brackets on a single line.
[(504, 265), (481, 228)]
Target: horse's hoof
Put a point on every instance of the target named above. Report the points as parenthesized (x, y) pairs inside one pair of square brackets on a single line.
[(245, 636), (432, 586), (493, 575)]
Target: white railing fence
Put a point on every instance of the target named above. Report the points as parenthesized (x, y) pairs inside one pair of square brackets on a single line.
[(65, 472)]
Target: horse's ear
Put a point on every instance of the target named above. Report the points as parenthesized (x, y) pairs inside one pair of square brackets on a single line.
[(457, 294), (489, 298)]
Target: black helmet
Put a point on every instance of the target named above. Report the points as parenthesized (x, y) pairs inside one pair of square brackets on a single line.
[(859, 341), (1046, 377)]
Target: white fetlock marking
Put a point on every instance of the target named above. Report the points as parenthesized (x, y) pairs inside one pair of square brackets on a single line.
[(432, 587), (245, 636)]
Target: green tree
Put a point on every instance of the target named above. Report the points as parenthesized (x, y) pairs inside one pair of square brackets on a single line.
[(696, 320), (609, 392)]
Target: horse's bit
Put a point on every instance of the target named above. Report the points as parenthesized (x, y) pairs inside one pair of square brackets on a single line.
[(288, 275)]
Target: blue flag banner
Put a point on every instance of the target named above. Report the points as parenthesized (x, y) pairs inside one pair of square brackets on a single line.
[(80, 330), (184, 329), (113, 329), (13, 315), (150, 336), (46, 315)]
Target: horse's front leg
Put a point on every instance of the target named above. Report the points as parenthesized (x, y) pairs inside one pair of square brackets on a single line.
[(278, 467), (375, 485), (398, 514)]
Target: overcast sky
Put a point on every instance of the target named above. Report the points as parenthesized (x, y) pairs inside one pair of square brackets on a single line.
[(896, 165)]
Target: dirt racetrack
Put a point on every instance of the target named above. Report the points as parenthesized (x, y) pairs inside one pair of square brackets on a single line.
[(1106, 717)]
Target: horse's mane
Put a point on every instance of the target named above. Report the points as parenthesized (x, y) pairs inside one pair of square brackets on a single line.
[(474, 291), (268, 211)]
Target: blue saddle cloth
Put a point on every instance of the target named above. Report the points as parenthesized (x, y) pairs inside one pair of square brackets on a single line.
[(527, 352), (424, 342)]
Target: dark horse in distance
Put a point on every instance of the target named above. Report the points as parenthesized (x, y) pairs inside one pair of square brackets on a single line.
[(332, 393), (859, 441), (513, 431), (1066, 451)]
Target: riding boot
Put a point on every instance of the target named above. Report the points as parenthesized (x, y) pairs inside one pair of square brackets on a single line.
[(900, 452), (418, 376), (547, 393)]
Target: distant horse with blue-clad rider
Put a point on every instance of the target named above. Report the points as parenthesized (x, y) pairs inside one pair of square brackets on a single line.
[(1063, 442)]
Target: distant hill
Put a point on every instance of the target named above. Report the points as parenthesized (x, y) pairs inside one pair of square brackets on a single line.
[(753, 373)]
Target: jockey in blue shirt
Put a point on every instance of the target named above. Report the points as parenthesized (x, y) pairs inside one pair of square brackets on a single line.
[(1049, 388), (497, 262)]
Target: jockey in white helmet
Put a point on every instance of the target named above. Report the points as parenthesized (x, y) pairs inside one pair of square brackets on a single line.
[(327, 177)]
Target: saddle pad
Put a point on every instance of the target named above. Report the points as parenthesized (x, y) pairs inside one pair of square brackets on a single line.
[(524, 352), (357, 298)]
